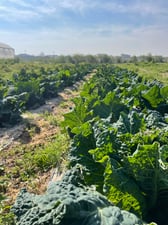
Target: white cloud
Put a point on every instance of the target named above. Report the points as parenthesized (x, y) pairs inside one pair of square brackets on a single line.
[(73, 5), (43, 10), (14, 14), (21, 3), (11, 12), (138, 7), (79, 5), (51, 7)]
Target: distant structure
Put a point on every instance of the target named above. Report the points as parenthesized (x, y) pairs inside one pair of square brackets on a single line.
[(6, 52), (125, 57)]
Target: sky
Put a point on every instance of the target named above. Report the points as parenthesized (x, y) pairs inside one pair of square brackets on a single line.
[(65, 27)]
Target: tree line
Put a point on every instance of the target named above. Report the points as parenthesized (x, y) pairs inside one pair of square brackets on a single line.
[(99, 58)]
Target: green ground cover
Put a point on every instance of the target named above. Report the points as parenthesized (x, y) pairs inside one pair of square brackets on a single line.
[(118, 126), (151, 70)]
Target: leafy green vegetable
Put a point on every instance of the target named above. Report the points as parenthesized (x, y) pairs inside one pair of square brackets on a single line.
[(123, 148), (164, 92), (69, 203), (153, 96), (37, 86), (11, 108), (119, 139), (144, 166)]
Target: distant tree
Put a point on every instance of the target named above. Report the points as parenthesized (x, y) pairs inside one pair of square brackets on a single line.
[(61, 59), (149, 58), (118, 59), (134, 59), (78, 58), (69, 59), (104, 58), (91, 59), (158, 59)]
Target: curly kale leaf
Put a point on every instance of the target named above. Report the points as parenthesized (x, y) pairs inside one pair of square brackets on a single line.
[(68, 202)]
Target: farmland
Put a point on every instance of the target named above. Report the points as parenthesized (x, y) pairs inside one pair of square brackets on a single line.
[(117, 128), (157, 71), (27, 156)]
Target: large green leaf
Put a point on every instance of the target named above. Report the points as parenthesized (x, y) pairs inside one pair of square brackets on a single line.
[(164, 92), (144, 168), (129, 123), (79, 153), (69, 203), (122, 190), (153, 96), (78, 116)]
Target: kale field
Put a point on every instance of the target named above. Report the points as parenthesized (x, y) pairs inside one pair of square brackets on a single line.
[(117, 163)]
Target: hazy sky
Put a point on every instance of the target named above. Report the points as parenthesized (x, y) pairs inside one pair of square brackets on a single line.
[(85, 26)]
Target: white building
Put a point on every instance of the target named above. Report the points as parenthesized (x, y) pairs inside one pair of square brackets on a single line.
[(6, 52)]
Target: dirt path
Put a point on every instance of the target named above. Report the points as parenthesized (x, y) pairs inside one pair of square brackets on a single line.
[(19, 137), (9, 136)]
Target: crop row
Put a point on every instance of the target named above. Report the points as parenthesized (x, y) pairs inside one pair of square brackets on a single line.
[(28, 89), (118, 157)]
